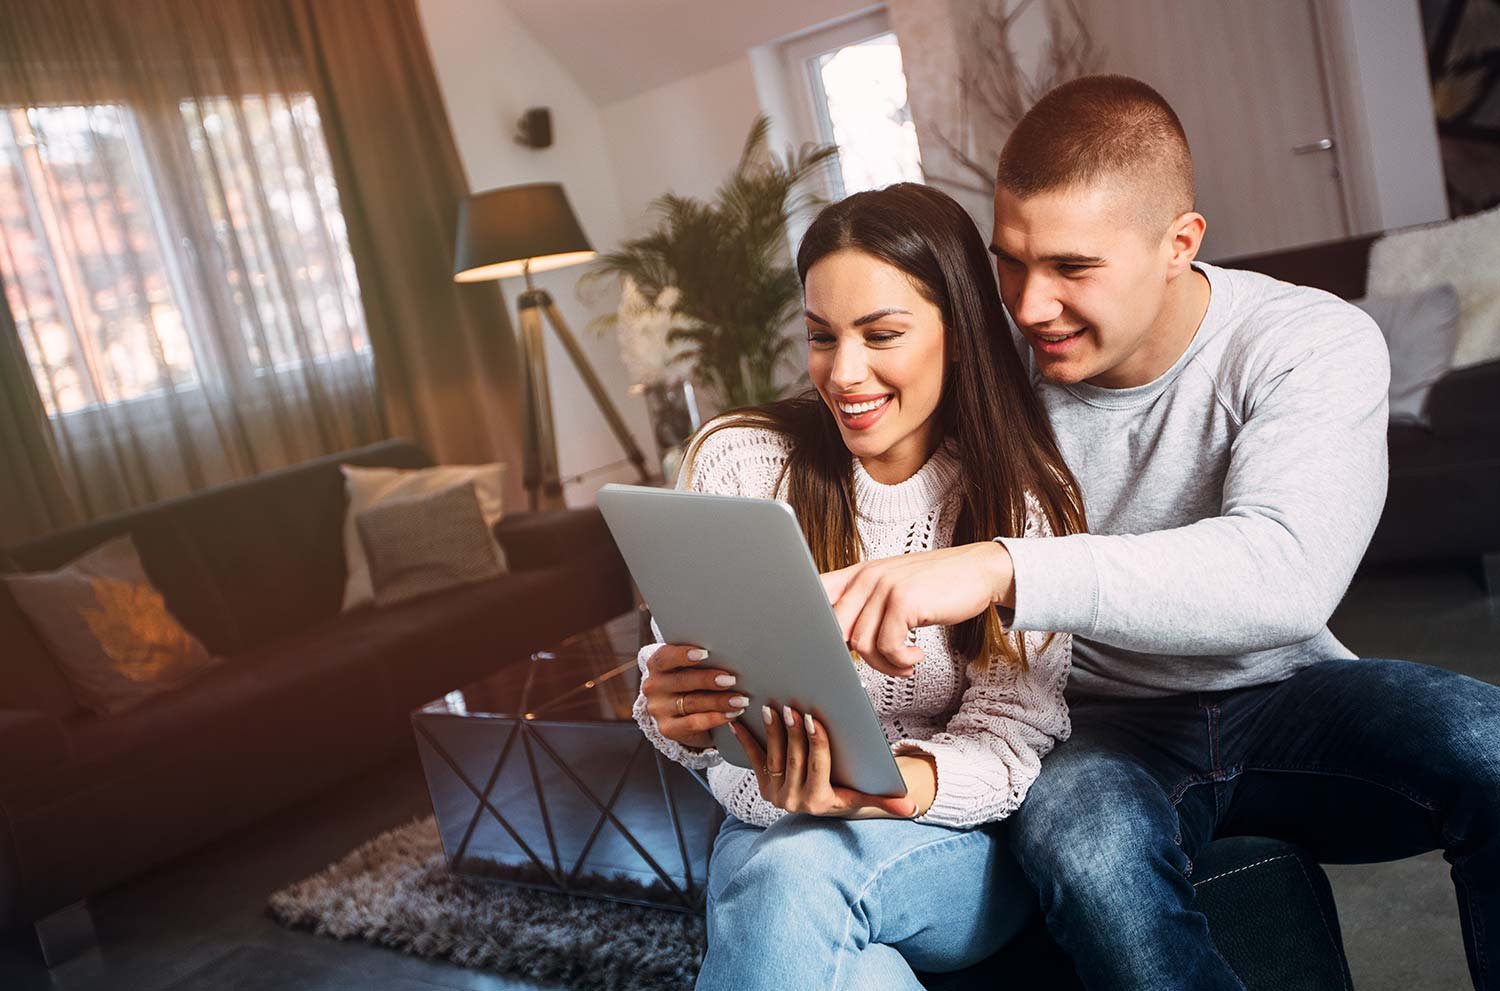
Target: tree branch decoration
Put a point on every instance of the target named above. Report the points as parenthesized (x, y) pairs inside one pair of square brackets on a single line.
[(993, 91)]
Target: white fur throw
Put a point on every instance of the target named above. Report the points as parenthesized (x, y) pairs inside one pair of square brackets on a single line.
[(1463, 252)]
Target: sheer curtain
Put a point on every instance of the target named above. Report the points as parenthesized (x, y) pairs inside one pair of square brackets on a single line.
[(173, 252)]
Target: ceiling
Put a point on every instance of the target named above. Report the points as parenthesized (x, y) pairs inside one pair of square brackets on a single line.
[(621, 48)]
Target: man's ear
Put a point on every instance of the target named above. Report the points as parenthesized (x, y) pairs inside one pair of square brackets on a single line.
[(1184, 238)]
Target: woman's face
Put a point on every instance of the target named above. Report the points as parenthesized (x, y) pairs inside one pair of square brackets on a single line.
[(875, 352)]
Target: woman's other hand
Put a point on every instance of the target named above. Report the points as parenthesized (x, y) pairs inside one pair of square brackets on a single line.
[(794, 768), (687, 700)]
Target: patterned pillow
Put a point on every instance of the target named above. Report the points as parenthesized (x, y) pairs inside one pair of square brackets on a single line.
[(427, 543), (109, 628), (367, 487)]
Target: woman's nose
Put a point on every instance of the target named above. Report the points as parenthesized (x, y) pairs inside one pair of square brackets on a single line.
[(849, 366)]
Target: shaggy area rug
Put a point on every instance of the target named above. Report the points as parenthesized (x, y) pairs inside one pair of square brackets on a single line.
[(396, 891)]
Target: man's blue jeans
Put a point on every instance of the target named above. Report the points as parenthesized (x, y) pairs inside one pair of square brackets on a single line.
[(828, 904), (1357, 761)]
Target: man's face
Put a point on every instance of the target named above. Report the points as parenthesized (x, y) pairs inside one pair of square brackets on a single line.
[(1084, 280)]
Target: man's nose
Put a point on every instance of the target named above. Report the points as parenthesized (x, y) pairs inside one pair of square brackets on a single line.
[(1036, 303)]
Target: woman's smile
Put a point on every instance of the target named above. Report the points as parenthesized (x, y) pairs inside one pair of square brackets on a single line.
[(862, 412)]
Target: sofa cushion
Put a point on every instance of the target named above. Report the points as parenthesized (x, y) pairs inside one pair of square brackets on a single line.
[(187, 767), (109, 629), (460, 637), (541, 540), (33, 742), (274, 542), (271, 689), (1463, 402), (381, 663)]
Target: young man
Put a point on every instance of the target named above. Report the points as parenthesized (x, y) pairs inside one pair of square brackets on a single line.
[(1228, 431)]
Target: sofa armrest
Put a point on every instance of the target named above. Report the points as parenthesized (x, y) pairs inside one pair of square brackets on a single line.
[(1463, 401), (540, 540), (30, 741)]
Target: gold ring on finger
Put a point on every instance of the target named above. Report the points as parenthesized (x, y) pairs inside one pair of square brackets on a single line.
[(682, 705), (776, 774)]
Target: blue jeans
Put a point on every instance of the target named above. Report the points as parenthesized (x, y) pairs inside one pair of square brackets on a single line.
[(829, 904), (1357, 761)]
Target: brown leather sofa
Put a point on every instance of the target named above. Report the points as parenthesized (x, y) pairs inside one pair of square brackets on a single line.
[(307, 696), (1445, 477)]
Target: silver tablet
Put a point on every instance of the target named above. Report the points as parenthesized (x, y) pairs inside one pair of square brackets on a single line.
[(734, 575)]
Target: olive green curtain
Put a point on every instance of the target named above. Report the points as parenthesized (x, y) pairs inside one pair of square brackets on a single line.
[(226, 242)]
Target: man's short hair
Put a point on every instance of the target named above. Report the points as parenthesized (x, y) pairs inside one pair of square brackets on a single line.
[(1099, 129)]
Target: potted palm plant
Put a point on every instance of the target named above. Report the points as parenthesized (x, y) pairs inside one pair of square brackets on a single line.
[(722, 269)]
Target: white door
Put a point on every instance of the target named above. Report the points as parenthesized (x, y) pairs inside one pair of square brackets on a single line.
[(1247, 79)]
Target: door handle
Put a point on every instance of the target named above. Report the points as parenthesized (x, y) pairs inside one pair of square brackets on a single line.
[(1322, 144)]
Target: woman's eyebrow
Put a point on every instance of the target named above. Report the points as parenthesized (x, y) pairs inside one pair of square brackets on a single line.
[(872, 317), (867, 318)]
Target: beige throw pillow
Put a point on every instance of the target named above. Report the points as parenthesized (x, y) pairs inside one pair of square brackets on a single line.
[(368, 487), (423, 544), (109, 628)]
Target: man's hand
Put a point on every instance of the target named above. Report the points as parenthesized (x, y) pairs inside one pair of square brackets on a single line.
[(879, 602)]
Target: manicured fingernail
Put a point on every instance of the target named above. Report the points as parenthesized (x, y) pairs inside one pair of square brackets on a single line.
[(789, 715), (737, 713), (739, 701), (812, 725), (725, 681), (697, 654), (767, 714)]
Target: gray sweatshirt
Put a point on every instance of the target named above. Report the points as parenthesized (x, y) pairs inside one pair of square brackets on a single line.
[(1228, 501)]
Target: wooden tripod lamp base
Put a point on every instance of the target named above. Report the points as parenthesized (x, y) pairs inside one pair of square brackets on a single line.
[(521, 230)]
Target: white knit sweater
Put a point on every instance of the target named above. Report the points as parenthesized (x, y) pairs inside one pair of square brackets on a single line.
[(986, 726)]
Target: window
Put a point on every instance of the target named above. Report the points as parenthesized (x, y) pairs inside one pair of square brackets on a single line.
[(84, 273), (292, 237), (855, 92), (105, 270)]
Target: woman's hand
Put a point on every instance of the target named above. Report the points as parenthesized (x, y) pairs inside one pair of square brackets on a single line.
[(687, 701), (794, 766)]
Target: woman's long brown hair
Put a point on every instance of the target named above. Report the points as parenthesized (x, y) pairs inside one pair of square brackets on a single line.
[(988, 411)]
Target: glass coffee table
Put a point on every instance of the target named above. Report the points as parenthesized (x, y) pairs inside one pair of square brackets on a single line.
[(540, 777)]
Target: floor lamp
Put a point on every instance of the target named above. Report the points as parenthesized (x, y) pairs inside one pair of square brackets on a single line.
[(522, 230)]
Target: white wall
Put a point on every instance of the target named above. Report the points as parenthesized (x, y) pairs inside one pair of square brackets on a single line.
[(490, 71), (684, 137)]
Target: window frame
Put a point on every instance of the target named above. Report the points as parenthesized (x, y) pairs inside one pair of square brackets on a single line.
[(810, 106)]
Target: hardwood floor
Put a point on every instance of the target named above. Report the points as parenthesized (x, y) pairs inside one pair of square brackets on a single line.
[(199, 923)]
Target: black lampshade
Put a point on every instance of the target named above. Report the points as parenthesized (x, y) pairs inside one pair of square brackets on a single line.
[(501, 229)]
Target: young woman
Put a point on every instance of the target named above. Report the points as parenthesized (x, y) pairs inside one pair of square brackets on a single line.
[(923, 433)]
